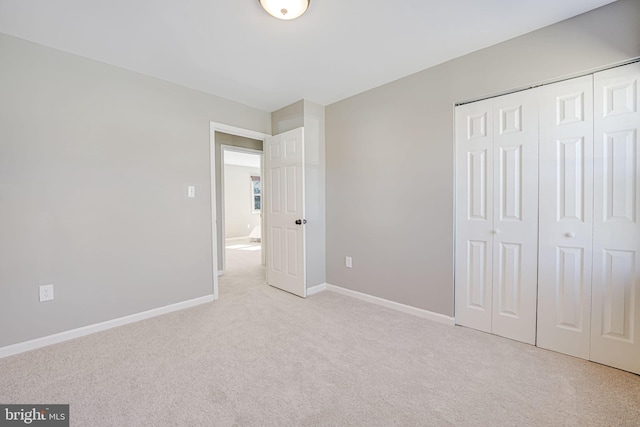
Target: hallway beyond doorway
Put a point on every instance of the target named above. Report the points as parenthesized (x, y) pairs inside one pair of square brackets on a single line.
[(244, 267)]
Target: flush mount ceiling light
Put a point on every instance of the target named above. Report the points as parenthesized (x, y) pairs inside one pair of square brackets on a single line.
[(285, 9)]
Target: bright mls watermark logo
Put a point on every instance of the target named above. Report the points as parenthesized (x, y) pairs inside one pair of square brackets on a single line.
[(34, 415)]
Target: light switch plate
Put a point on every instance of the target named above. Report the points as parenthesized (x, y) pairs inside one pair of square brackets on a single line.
[(191, 191)]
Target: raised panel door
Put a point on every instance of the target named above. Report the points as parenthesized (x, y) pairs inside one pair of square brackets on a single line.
[(474, 207), (566, 216), (285, 186), (615, 323), (515, 215)]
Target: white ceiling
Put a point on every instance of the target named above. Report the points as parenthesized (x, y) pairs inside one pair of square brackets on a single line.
[(233, 49)]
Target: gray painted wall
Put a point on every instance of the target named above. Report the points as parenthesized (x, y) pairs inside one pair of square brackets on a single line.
[(288, 118), (314, 155), (311, 116), (390, 171), (236, 141), (94, 167), (239, 218)]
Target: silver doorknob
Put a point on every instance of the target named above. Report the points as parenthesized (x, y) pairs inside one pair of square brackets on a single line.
[(570, 234)]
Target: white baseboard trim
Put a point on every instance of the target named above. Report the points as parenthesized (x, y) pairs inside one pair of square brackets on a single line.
[(317, 288), (425, 314), (236, 239), (10, 350)]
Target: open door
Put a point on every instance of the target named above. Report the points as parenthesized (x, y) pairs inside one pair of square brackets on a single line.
[(285, 222)]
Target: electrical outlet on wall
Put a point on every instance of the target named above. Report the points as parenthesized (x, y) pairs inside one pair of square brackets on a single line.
[(46, 292)]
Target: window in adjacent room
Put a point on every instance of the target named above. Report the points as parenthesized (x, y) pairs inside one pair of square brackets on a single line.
[(256, 193)]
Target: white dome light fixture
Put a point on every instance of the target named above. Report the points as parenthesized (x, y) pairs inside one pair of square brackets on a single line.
[(285, 9)]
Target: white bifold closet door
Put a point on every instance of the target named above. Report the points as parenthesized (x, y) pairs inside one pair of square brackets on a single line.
[(615, 325), (585, 279), (497, 215), (474, 215), (589, 260), (566, 216)]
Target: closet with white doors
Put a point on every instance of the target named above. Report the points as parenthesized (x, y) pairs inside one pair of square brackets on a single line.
[(497, 215), (568, 186)]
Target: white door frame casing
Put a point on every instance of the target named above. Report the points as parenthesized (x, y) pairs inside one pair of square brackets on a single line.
[(232, 130), (223, 236)]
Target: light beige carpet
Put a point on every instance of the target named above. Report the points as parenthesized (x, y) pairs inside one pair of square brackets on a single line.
[(262, 357)]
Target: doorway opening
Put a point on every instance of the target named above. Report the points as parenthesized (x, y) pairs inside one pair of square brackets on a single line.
[(242, 210), (239, 139)]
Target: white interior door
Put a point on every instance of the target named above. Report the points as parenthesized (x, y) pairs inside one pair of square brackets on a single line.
[(615, 326), (566, 216), (515, 215), (474, 215), (284, 185)]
